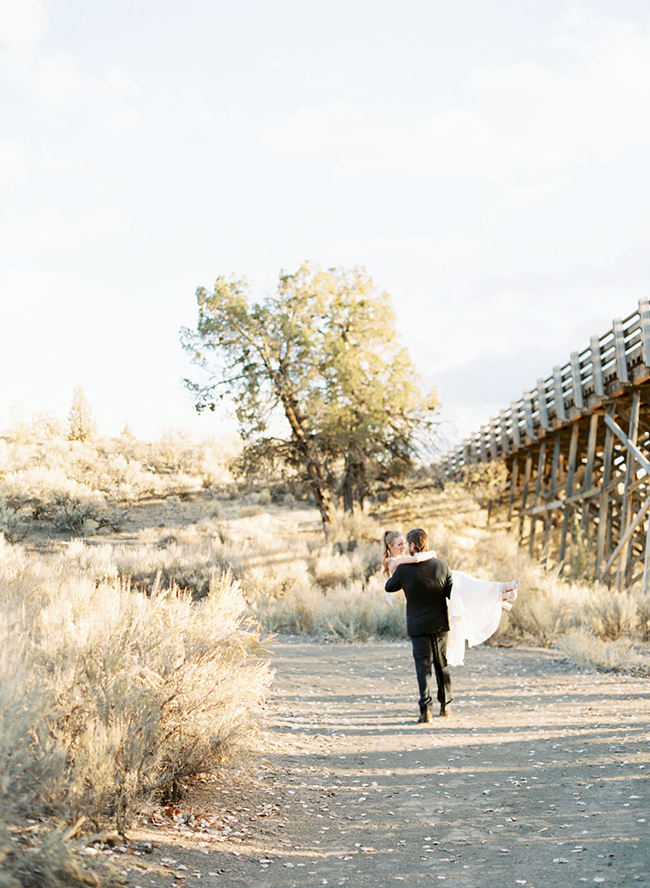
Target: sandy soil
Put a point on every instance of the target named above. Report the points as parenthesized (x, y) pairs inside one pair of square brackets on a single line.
[(540, 778)]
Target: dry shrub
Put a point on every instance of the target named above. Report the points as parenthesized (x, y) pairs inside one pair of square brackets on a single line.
[(351, 612), (11, 526), (107, 695), (587, 651), (263, 552), (542, 617), (29, 757), (353, 528), (276, 579), (332, 568), (610, 614), (32, 775), (49, 862), (644, 618)]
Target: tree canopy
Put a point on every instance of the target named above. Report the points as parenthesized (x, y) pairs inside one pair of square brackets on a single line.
[(322, 353)]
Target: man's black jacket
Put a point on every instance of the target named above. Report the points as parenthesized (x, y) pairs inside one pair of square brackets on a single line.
[(427, 587)]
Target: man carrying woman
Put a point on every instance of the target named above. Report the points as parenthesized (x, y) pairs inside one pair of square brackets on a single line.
[(427, 582)]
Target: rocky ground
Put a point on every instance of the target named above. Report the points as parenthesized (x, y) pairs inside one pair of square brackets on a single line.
[(540, 778)]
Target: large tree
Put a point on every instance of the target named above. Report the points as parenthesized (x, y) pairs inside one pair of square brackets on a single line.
[(322, 352)]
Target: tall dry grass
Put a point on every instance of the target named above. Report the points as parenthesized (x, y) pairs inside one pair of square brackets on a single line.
[(108, 696), (296, 581)]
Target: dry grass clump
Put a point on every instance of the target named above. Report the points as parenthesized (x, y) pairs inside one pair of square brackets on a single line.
[(263, 551), (610, 614), (108, 696), (354, 612), (588, 651)]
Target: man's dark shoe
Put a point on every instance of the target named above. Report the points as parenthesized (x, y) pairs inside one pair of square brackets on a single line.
[(445, 711), (425, 717)]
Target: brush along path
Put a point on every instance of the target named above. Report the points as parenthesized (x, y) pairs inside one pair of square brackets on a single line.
[(540, 778)]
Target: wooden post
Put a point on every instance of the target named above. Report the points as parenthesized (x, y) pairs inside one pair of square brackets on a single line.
[(516, 434), (619, 346), (543, 404), (528, 414), (597, 367), (524, 493), (578, 400), (644, 321), (514, 480), (560, 412), (603, 510), (494, 426), (646, 563), (568, 510), (589, 469), (625, 537), (464, 452), (630, 475), (538, 492), (548, 524), (505, 441), (473, 444)]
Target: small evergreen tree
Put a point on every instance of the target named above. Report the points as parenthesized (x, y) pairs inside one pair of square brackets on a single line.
[(81, 423)]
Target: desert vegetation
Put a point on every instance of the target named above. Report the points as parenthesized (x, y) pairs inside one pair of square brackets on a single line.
[(139, 584)]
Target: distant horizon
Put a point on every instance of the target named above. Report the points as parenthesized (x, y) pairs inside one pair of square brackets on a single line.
[(228, 424)]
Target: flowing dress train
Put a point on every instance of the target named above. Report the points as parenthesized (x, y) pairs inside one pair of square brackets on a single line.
[(474, 614)]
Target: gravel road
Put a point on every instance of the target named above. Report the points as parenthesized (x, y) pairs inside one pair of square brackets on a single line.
[(539, 779)]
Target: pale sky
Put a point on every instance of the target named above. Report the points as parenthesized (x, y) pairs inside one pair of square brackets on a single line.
[(487, 161)]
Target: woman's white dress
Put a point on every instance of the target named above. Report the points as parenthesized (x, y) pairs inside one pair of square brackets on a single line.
[(474, 614)]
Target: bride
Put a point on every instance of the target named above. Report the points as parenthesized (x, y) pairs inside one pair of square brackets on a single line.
[(474, 606)]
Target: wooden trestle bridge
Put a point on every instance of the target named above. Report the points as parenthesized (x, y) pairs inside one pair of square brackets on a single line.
[(577, 453)]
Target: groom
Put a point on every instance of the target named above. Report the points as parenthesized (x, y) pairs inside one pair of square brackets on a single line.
[(427, 586)]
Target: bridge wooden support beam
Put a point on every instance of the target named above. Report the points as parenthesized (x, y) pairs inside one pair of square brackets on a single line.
[(587, 494), (577, 455)]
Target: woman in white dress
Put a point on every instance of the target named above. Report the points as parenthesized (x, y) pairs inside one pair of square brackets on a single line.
[(474, 606)]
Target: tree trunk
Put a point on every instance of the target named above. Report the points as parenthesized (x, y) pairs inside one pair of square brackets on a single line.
[(354, 482), (321, 494), (305, 449)]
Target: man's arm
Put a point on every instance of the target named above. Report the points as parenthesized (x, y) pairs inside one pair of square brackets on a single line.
[(394, 583), (449, 582)]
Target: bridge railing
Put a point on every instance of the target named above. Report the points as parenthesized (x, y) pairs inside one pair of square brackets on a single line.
[(607, 367)]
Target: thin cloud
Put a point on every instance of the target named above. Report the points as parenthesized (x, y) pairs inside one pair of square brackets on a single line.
[(57, 79), (50, 229), (523, 129), (437, 250), (14, 163), (120, 120), (54, 77), (23, 24)]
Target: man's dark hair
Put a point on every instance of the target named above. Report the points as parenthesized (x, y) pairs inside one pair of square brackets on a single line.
[(419, 539)]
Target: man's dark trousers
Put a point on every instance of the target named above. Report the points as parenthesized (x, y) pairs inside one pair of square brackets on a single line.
[(430, 655)]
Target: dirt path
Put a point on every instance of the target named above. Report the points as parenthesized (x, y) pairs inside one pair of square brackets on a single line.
[(540, 778)]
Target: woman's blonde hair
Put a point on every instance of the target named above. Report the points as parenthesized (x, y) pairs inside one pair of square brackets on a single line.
[(389, 537)]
